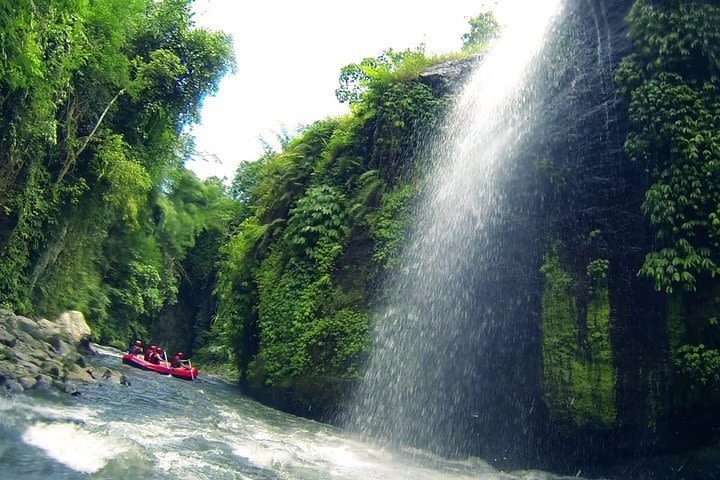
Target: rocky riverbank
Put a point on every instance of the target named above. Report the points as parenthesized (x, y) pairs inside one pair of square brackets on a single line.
[(49, 356)]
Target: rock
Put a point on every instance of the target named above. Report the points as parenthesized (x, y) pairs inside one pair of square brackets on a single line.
[(448, 77), (61, 348), (6, 338), (30, 327), (70, 360), (27, 382), (81, 361), (65, 387), (74, 326), (13, 386), (78, 374), (43, 382), (52, 368), (48, 328), (6, 353), (45, 356), (9, 321), (27, 339)]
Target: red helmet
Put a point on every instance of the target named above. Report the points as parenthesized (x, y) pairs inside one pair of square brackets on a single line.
[(138, 342), (181, 355)]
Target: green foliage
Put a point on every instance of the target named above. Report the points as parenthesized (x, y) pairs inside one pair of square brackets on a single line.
[(700, 364), (390, 225), (294, 289), (579, 380), (318, 218), (483, 29), (96, 212), (673, 80), (598, 269), (357, 78)]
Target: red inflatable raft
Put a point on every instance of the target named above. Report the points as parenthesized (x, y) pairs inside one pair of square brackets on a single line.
[(185, 372)]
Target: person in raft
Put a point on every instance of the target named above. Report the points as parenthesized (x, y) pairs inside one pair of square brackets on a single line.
[(153, 355), (159, 356), (178, 360), (136, 348)]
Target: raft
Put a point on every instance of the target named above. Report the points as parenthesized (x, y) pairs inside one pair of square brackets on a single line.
[(184, 373)]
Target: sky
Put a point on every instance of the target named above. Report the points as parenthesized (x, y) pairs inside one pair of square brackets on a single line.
[(289, 55)]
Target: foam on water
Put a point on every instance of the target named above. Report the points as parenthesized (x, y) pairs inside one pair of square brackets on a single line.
[(70, 445)]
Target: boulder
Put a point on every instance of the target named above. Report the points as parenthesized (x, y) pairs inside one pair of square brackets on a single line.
[(6, 338), (29, 326), (60, 346), (47, 356), (81, 361), (48, 328), (13, 386), (77, 374), (74, 326), (43, 382), (27, 382)]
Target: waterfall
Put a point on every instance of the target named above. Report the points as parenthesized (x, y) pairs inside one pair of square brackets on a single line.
[(432, 380)]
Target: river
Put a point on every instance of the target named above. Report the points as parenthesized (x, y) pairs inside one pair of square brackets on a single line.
[(160, 427)]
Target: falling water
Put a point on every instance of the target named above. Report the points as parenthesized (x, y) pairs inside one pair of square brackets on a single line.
[(430, 377)]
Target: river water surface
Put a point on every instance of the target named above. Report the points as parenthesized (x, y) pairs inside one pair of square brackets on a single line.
[(160, 427)]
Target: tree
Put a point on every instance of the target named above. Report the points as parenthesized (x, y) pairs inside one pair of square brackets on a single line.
[(483, 29)]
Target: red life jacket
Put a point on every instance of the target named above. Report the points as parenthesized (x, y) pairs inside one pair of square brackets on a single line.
[(149, 354)]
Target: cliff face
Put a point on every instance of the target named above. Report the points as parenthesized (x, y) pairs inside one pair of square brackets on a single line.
[(601, 357), (579, 344)]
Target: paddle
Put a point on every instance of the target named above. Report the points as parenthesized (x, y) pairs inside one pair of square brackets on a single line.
[(167, 365), (192, 375)]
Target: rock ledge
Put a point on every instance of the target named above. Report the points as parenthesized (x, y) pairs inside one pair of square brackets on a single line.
[(48, 356)]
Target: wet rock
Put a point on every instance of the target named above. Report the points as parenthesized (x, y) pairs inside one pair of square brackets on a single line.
[(27, 382), (46, 355), (43, 383), (80, 375), (447, 77), (65, 387), (13, 386), (60, 346), (114, 377), (6, 338), (52, 368), (81, 361)]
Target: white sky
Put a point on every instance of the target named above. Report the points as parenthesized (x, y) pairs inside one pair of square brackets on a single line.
[(289, 56)]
